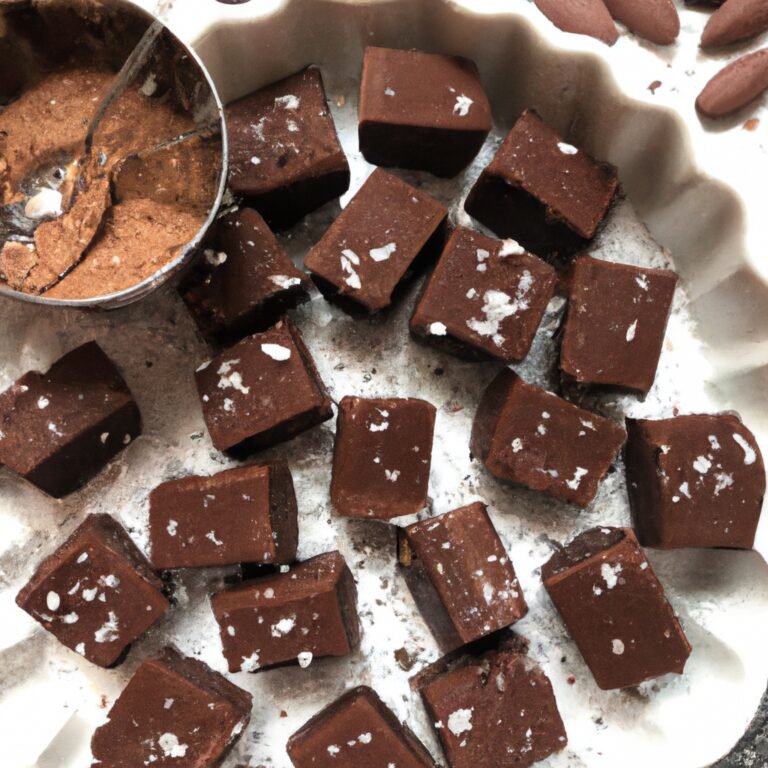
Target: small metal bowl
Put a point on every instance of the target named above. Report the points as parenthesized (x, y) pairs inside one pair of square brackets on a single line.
[(38, 35)]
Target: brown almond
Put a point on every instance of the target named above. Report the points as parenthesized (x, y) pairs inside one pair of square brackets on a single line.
[(735, 20), (582, 17), (654, 20), (734, 87)]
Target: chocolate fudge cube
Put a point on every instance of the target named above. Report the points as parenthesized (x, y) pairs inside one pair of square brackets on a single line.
[(531, 437), (60, 429), (617, 316), (694, 481), (461, 576), (306, 613), (382, 457), (284, 154), (422, 111), (262, 391), (547, 194), (174, 711), (357, 729), (96, 593), (245, 282), (485, 299), (383, 238), (615, 608), (242, 515), (497, 710)]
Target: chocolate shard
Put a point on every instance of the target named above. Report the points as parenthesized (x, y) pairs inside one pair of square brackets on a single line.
[(615, 325), (285, 156), (241, 515), (385, 237), (174, 711), (581, 17), (382, 457), (492, 709), (262, 391), (547, 194), (96, 593), (357, 729), (735, 86), (60, 429), (435, 122), (615, 608), (694, 481), (485, 299), (735, 21), (653, 20), (292, 617), (528, 436), (461, 576)]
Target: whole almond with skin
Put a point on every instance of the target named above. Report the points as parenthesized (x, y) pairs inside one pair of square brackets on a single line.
[(735, 20), (654, 20), (581, 17), (735, 86)]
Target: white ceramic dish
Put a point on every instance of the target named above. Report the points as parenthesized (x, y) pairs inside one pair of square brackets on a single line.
[(677, 178)]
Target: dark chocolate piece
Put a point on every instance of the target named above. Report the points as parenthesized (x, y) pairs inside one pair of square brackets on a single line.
[(245, 282), (461, 576), (694, 481), (496, 710), (654, 20), (615, 608), (735, 21), (617, 317), (242, 515), (60, 429), (485, 298), (547, 194), (528, 436), (581, 17), (174, 711), (285, 157), (290, 618), (262, 391), (735, 86), (382, 457), (357, 729), (384, 237), (421, 110), (96, 593)]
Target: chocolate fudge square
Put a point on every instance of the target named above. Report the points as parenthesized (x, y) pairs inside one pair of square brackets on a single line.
[(175, 711), (385, 236), (242, 515), (294, 617), (547, 194), (485, 299), (262, 391), (60, 429), (421, 111), (357, 729), (96, 593), (284, 155), (497, 709), (245, 282), (615, 608), (382, 457), (531, 437), (461, 576), (694, 481), (614, 329)]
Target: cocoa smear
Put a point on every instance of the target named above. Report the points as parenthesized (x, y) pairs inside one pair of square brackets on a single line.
[(653, 20), (734, 21), (582, 17), (104, 242), (734, 87)]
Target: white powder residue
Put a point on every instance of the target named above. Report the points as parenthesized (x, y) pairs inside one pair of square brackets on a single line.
[(617, 646), (642, 281), (53, 601), (365, 738), (211, 536), (215, 259), (392, 475), (498, 306), (250, 663), (383, 253), (389, 91), (610, 574), (722, 481), (230, 379), (283, 627), (517, 445), (285, 282), (348, 258), (631, 331), (702, 465), (276, 352), (171, 527), (109, 631), (438, 329), (749, 452), (462, 106), (171, 746), (460, 721), (305, 659), (43, 402), (511, 247), (577, 475), (288, 102), (567, 149)]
